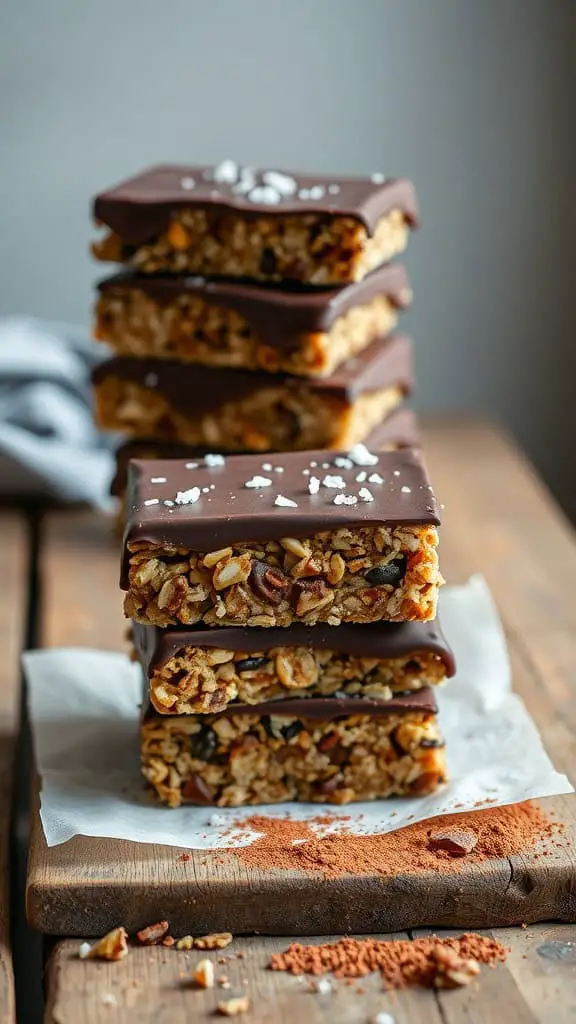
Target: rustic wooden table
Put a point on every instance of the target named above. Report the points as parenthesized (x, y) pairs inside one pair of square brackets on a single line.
[(498, 520)]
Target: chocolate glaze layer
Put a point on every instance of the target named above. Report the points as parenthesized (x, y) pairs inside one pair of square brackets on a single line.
[(278, 316), (399, 430), (190, 387), (326, 709), (140, 208), (155, 646), (233, 513)]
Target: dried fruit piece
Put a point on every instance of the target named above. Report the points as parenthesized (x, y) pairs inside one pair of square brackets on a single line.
[(268, 581), (391, 573), (196, 791), (204, 974), (250, 664), (153, 933), (455, 841), (203, 745), (112, 946), (234, 1007), (216, 940)]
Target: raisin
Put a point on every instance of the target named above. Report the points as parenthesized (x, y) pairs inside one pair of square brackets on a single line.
[(203, 744), (196, 791), (431, 744), (268, 261), (249, 664), (268, 581), (399, 749), (329, 785), (387, 572), (289, 731), (268, 727)]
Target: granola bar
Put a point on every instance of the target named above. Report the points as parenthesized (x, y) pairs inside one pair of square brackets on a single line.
[(309, 537), (326, 750), (239, 324), (253, 410), (399, 430), (200, 670), (266, 225)]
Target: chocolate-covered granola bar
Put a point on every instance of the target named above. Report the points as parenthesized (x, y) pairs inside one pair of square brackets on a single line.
[(199, 670), (326, 750), (239, 324), (298, 537), (266, 225), (253, 410)]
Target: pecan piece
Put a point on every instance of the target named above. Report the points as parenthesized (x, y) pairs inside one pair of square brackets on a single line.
[(153, 933), (234, 1007), (216, 940), (452, 971), (112, 946), (268, 582), (310, 594), (204, 974), (455, 841), (196, 791)]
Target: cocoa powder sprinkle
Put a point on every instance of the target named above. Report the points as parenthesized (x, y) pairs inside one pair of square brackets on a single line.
[(289, 845), (401, 962)]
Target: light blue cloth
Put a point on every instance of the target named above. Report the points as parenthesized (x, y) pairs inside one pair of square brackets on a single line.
[(49, 445)]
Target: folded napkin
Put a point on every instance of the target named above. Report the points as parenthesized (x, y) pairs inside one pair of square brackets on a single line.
[(49, 446)]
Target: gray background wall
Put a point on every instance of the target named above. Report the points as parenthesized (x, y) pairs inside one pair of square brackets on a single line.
[(474, 99)]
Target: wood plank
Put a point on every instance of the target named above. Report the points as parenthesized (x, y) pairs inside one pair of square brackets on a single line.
[(498, 520), (13, 595), (148, 986)]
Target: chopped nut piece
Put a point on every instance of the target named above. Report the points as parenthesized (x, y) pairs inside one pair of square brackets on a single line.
[(234, 1007), (455, 841), (452, 970), (153, 933), (216, 940), (204, 974), (112, 946), (186, 942), (168, 941)]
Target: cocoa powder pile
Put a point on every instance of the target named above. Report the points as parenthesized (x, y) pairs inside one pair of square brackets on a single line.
[(292, 845), (428, 962)]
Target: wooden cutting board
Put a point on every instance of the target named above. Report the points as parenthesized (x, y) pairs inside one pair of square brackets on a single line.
[(498, 520)]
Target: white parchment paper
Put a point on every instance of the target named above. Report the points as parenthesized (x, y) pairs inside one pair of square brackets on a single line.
[(84, 713)]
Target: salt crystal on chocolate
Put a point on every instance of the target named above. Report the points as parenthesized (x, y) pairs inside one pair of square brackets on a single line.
[(212, 460), (189, 497), (313, 485), (365, 494), (336, 482), (285, 502), (283, 183), (258, 481), (265, 194), (361, 456), (345, 499), (157, 479), (152, 501), (226, 172)]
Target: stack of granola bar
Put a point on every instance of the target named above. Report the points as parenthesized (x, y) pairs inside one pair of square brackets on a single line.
[(283, 614), (255, 312)]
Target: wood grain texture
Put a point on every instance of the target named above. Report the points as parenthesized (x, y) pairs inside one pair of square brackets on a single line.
[(14, 560), (498, 520)]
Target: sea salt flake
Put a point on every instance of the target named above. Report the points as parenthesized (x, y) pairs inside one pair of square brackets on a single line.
[(284, 502), (406, 490), (157, 479), (205, 490), (152, 501), (267, 466), (187, 184), (317, 192), (365, 494), (168, 502), (278, 469), (305, 472), (151, 380), (395, 472), (212, 460), (325, 465), (189, 497), (84, 950), (345, 499), (333, 189), (109, 999), (264, 194), (384, 1018), (226, 172), (191, 465), (361, 456), (216, 820), (360, 477), (378, 178), (247, 181), (304, 193), (323, 986), (337, 482), (258, 481), (375, 478), (342, 462), (283, 183), (313, 465), (313, 485)]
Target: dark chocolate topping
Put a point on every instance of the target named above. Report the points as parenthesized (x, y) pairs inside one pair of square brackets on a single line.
[(329, 708), (399, 430), (140, 208), (195, 389), (277, 315), (155, 646), (205, 520)]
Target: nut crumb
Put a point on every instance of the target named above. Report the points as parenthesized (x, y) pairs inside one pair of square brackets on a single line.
[(456, 841), (204, 974), (153, 933), (234, 1007), (112, 946), (216, 940), (186, 942), (452, 970)]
